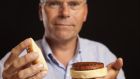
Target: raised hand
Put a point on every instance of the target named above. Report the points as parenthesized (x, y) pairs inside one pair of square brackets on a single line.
[(113, 69), (17, 67)]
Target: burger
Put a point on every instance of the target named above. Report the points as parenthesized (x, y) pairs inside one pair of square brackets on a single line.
[(88, 70)]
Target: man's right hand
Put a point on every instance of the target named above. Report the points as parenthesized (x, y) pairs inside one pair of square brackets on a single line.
[(17, 67)]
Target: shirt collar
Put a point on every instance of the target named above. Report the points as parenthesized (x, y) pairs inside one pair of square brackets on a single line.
[(46, 49), (49, 54)]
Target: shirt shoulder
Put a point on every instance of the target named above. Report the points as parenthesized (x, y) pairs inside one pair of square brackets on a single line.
[(92, 44), (96, 51), (38, 42)]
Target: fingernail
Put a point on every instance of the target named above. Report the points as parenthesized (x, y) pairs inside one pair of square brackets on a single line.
[(40, 65), (44, 73), (35, 54)]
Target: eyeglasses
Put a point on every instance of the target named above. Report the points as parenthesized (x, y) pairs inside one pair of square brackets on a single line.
[(73, 4)]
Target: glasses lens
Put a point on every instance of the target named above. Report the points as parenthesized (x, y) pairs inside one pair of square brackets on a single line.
[(72, 4)]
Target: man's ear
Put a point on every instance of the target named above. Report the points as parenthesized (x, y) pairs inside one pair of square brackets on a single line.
[(86, 12), (40, 12)]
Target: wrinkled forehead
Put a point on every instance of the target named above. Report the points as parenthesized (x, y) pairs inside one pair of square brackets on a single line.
[(60, 0)]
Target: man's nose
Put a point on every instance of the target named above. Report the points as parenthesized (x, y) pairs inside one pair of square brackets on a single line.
[(65, 11)]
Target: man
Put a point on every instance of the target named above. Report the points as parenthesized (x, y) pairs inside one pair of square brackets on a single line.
[(61, 46)]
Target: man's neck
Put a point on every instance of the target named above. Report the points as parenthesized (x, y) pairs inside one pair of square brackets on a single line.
[(64, 51)]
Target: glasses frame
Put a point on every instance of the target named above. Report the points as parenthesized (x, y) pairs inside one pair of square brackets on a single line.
[(61, 5)]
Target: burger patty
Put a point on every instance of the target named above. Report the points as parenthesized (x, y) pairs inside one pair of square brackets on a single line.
[(81, 66)]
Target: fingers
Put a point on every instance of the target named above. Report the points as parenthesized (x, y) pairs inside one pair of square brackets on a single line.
[(117, 65), (17, 50), (18, 71), (32, 70), (17, 67), (40, 75), (20, 62), (113, 69)]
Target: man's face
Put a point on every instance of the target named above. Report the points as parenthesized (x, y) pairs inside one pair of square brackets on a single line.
[(63, 19)]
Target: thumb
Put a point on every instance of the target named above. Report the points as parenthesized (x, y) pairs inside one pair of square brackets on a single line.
[(117, 65)]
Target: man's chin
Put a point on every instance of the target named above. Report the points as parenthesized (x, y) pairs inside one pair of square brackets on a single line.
[(64, 38)]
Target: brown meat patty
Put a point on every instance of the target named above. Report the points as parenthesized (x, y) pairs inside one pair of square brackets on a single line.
[(87, 66)]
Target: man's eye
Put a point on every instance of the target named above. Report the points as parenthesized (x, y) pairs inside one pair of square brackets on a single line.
[(53, 4), (74, 4)]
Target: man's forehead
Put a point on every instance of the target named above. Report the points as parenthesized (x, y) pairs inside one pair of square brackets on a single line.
[(61, 0), (64, 0)]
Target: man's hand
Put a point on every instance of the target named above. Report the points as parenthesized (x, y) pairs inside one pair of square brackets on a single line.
[(113, 69), (22, 68)]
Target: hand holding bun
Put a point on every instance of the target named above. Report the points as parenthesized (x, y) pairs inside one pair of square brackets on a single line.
[(34, 48), (20, 65)]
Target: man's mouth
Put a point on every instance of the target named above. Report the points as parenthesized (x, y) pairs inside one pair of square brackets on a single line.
[(63, 24)]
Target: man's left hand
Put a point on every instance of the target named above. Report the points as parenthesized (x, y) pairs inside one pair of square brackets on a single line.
[(113, 69)]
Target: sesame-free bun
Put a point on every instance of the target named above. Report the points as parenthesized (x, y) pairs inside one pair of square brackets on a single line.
[(33, 48)]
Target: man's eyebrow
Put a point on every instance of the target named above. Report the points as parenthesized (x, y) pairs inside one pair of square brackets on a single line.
[(62, 0), (78, 1)]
